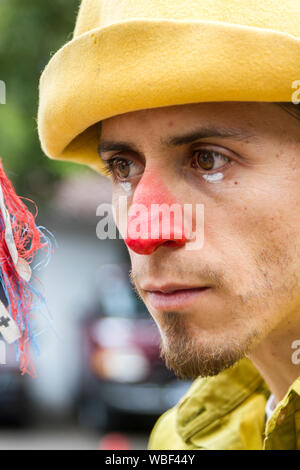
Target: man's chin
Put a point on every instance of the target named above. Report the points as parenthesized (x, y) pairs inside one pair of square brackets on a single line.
[(189, 363), (190, 355)]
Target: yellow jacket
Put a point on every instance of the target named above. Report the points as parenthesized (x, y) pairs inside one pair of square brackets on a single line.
[(227, 412)]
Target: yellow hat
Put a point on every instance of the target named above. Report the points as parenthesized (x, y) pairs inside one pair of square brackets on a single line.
[(128, 55)]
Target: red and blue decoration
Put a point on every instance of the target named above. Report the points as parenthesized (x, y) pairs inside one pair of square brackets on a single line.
[(20, 240)]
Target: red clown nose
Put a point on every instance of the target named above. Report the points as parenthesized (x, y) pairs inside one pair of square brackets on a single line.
[(155, 218)]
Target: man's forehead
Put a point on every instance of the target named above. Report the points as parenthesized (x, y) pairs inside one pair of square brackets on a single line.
[(171, 114), (177, 125), (206, 114), (181, 124)]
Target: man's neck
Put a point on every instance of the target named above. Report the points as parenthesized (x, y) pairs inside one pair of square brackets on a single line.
[(274, 359)]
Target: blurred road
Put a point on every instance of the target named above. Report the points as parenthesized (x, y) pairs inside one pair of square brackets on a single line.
[(59, 439)]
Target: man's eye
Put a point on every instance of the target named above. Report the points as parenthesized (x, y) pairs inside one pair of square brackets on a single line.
[(208, 160), (121, 168)]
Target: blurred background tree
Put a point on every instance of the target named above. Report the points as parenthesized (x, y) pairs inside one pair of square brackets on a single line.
[(30, 32)]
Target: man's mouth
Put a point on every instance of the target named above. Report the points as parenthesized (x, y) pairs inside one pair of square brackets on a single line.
[(173, 296)]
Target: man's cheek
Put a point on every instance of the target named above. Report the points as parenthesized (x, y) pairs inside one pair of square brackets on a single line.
[(227, 236), (234, 240)]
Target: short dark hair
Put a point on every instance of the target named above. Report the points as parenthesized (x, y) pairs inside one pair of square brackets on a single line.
[(293, 109), (99, 128)]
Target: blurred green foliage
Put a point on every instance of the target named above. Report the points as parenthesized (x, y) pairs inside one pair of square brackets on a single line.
[(30, 32)]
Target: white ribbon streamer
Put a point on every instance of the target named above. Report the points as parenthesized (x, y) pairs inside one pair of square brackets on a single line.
[(21, 264)]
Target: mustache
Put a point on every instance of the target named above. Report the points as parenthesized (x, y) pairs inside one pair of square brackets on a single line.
[(205, 275)]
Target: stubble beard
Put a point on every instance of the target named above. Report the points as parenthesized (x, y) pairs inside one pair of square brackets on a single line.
[(190, 356), (191, 352)]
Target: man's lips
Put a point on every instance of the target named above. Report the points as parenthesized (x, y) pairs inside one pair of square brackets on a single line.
[(173, 295), (169, 288)]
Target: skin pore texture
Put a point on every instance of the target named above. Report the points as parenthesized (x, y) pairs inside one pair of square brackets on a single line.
[(248, 270)]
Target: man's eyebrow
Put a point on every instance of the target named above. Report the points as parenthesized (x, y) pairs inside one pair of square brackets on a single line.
[(207, 132), (111, 145), (175, 141)]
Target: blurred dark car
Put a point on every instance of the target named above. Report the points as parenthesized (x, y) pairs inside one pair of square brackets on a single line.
[(14, 398), (123, 376)]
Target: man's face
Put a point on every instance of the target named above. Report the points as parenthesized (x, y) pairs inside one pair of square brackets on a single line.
[(247, 272)]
